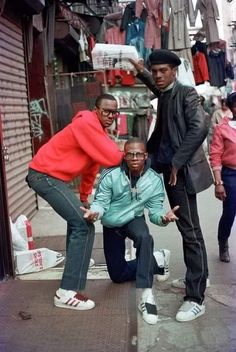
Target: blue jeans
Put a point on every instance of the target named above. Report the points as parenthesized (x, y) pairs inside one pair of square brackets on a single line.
[(80, 234), (229, 205), (140, 269)]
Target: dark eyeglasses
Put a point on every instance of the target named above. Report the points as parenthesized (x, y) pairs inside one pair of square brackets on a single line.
[(106, 112), (132, 155)]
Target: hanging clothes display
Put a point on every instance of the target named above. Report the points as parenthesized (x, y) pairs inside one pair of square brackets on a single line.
[(209, 14), (176, 12), (152, 36), (152, 24)]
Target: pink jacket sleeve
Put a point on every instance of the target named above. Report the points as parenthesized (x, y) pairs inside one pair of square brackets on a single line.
[(216, 149)]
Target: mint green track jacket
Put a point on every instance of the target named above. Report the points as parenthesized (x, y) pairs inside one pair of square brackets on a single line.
[(117, 204)]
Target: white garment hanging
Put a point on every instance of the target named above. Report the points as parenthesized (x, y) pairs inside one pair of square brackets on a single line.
[(185, 74)]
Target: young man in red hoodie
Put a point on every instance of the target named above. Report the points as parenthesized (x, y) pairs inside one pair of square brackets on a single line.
[(77, 150)]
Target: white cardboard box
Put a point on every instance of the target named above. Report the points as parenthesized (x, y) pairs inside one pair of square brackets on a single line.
[(113, 57)]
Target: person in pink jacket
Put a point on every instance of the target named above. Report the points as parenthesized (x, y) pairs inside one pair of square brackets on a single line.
[(77, 150), (223, 163)]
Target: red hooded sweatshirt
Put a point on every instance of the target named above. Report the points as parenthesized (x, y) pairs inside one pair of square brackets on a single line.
[(78, 150)]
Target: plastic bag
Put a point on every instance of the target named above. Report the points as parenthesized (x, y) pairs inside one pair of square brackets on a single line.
[(19, 243), (36, 260), (21, 226)]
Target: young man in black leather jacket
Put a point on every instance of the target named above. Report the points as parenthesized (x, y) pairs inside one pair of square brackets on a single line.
[(175, 147)]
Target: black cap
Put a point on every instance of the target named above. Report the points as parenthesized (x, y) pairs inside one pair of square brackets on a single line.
[(164, 56)]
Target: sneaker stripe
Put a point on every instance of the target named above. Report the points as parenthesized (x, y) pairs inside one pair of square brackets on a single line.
[(76, 303), (143, 307), (77, 299), (196, 310), (70, 301)]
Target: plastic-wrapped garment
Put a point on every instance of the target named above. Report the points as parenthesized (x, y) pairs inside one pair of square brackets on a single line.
[(185, 74)]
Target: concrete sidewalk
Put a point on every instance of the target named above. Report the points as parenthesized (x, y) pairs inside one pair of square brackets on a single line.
[(214, 331)]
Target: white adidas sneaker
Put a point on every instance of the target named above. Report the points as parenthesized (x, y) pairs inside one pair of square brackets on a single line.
[(162, 257), (72, 300), (190, 311), (148, 309)]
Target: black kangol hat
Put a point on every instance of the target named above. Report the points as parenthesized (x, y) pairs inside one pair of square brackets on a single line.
[(164, 56)]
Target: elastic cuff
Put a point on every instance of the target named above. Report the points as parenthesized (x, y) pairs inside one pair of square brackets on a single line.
[(216, 168), (83, 197)]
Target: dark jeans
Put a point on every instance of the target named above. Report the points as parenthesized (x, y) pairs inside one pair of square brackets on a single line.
[(80, 234), (194, 250), (229, 205), (140, 269)]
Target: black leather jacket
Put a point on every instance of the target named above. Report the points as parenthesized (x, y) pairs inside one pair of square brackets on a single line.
[(187, 126)]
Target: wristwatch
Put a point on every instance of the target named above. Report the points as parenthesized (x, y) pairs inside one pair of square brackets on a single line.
[(218, 183)]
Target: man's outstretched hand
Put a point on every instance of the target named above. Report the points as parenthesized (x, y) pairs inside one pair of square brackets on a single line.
[(89, 215), (170, 216)]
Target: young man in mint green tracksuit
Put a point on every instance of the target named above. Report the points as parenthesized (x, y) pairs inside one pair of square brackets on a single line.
[(122, 195)]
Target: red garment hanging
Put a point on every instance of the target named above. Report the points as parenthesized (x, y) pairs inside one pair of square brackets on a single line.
[(201, 73)]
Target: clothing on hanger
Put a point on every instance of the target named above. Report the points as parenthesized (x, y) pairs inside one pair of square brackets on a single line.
[(209, 14), (152, 36), (176, 11), (201, 73)]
